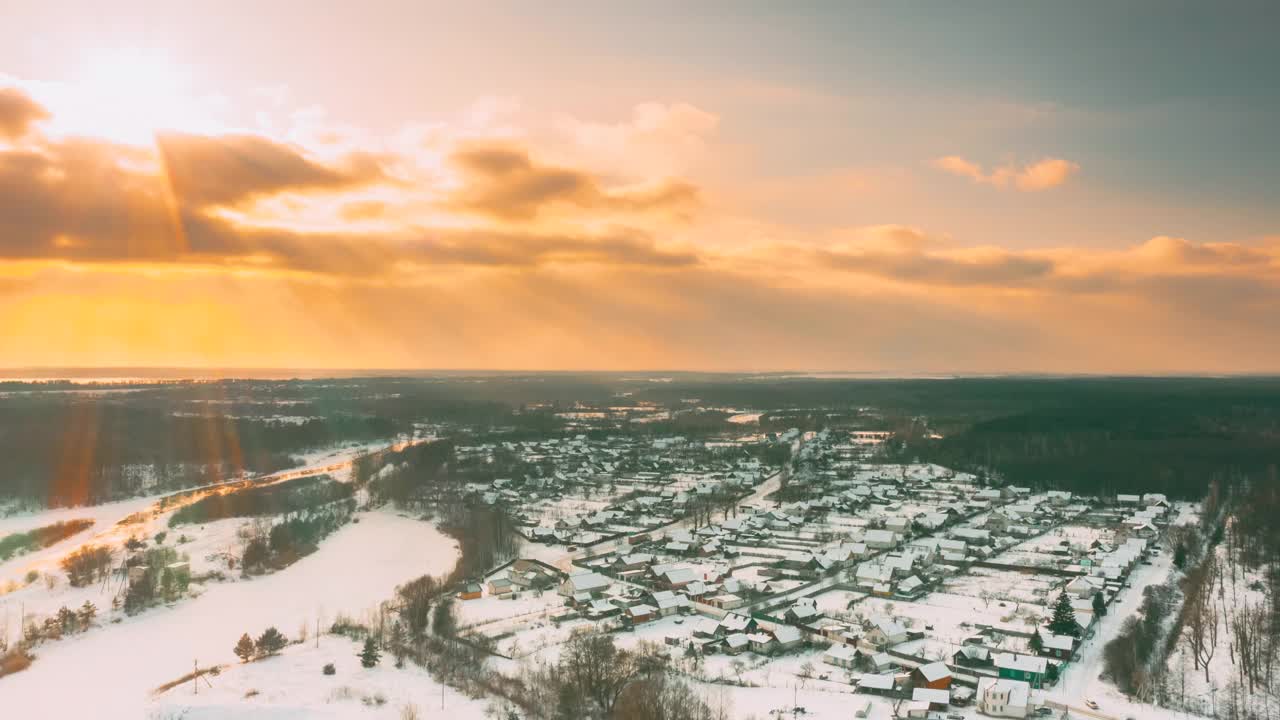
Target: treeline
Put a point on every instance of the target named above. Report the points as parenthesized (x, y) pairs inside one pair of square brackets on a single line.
[(277, 499), (1174, 444), (296, 536), (41, 537), (65, 450)]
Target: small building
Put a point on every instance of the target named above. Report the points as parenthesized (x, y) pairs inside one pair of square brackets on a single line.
[(736, 643), (935, 699), (972, 656), (762, 643), (471, 591), (585, 582), (877, 684), (934, 676), (884, 633), (1059, 647), (787, 637), (501, 586), (637, 614), (841, 656)]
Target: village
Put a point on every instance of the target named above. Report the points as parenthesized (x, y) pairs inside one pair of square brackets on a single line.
[(917, 591)]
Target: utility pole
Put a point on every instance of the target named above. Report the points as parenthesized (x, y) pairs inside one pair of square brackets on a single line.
[(195, 676)]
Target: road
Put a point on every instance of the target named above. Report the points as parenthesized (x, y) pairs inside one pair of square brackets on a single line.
[(1081, 682)]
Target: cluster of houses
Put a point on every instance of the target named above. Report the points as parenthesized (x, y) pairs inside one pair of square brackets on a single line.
[(644, 483), (890, 531)]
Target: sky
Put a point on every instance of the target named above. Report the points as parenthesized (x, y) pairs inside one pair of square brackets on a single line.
[(897, 187)]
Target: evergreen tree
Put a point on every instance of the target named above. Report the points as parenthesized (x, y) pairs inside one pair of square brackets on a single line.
[(399, 638), (245, 648), (1180, 555), (1036, 642), (1051, 673), (88, 611), (1064, 618), (370, 656), (1099, 605), (68, 620), (271, 642)]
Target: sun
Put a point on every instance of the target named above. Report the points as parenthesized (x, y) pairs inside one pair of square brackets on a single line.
[(128, 95)]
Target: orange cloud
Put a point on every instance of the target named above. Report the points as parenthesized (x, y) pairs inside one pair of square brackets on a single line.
[(1041, 175), (503, 182), (232, 169), (18, 112)]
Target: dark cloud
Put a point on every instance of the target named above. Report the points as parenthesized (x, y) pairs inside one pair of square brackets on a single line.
[(504, 182), (993, 269), (18, 112), (232, 169)]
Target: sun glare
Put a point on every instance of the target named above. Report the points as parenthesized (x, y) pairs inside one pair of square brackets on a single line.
[(132, 94)]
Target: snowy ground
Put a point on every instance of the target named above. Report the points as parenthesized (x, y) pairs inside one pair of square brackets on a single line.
[(354, 569), (292, 685)]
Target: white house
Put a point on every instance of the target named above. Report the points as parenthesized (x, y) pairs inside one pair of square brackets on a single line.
[(841, 656), (1001, 697)]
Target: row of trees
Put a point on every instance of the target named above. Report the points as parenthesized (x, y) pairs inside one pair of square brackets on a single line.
[(275, 499), (65, 622), (41, 537), (296, 536), (270, 642)]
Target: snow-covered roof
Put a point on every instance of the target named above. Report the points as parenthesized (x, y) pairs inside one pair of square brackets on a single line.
[(934, 671), (1021, 663)]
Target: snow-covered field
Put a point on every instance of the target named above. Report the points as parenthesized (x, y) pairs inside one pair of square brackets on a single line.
[(353, 570), (293, 685)]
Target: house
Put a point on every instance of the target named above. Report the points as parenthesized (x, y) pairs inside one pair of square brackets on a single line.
[(872, 684), (788, 637), (881, 662), (1003, 697), (884, 633), (911, 588), (678, 577), (585, 582), (934, 699), (880, 539), (804, 611), (597, 609), (841, 656), (735, 623), (1058, 497), (642, 613), (669, 603), (1084, 587), (1057, 646), (1128, 499), (972, 656), (1027, 668), (736, 643), (762, 643), (934, 676), (915, 709), (470, 591)]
